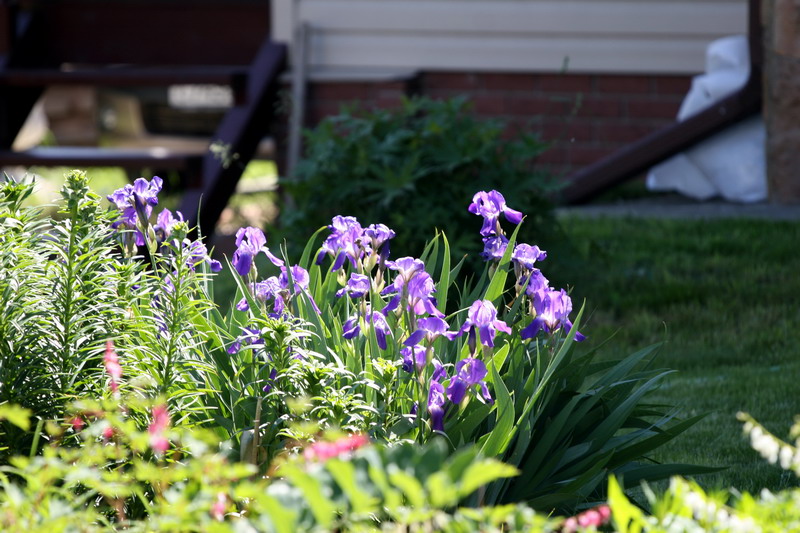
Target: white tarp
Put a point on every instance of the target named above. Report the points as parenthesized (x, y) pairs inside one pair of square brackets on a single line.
[(732, 163)]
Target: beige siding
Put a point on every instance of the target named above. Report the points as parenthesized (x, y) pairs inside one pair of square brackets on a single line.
[(634, 36)]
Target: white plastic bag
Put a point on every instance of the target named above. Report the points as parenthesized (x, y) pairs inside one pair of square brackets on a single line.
[(732, 163)]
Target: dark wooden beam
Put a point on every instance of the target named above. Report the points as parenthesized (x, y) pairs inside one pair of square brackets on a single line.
[(239, 134)]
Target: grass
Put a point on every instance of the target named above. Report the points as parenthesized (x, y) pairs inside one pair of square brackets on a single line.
[(723, 295)]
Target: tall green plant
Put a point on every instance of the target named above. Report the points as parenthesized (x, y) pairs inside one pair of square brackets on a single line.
[(62, 294)]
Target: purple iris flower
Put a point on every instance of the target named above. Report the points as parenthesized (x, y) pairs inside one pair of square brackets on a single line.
[(406, 268), (135, 203), (249, 337), (429, 328), (343, 242), (420, 295), (357, 286), (414, 357), (199, 253), (249, 242), (270, 381), (494, 247), (552, 309), (436, 403), (490, 205), (264, 291), (165, 222), (482, 316), (536, 281), (300, 279), (352, 327), (412, 285), (469, 372), (377, 237), (526, 255)]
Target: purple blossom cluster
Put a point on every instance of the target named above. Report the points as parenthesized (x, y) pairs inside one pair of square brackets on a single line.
[(135, 203), (411, 295), (277, 290), (550, 308), (363, 248), (249, 243)]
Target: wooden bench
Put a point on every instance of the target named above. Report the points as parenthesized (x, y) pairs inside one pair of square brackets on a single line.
[(141, 43)]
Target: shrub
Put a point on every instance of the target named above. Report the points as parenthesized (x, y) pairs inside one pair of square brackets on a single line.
[(118, 470), (404, 169)]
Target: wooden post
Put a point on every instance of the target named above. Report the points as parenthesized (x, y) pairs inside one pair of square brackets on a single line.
[(782, 98)]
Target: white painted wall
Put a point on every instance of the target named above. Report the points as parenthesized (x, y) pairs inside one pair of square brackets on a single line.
[(598, 36)]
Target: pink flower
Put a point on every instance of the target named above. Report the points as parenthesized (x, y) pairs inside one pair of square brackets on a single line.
[(157, 427), (219, 506), (594, 517), (77, 423), (322, 451), (113, 368)]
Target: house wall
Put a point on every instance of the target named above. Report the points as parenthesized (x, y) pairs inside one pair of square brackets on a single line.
[(589, 75)]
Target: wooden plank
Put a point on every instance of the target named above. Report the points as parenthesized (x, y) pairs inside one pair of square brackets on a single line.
[(513, 35), (125, 76), (587, 17), (101, 157), (509, 53)]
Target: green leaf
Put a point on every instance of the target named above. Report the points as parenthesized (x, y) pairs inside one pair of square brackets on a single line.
[(483, 472), (19, 416), (410, 485), (322, 508), (501, 434), (444, 282), (344, 473), (310, 245)]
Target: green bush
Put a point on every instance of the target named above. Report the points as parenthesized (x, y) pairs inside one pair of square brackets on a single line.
[(415, 170)]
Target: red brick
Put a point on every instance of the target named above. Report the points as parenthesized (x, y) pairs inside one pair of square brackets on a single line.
[(488, 104), (666, 109), (565, 83), (387, 103), (509, 82), (554, 155), (398, 86), (677, 85), (622, 132), (446, 94), (586, 154), (566, 131), (451, 80), (339, 91), (600, 106), (624, 84), (538, 105)]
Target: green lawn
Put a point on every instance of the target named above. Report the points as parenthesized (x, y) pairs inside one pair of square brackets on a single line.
[(725, 297)]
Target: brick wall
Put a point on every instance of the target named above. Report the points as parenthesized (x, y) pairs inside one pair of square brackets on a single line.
[(585, 117)]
